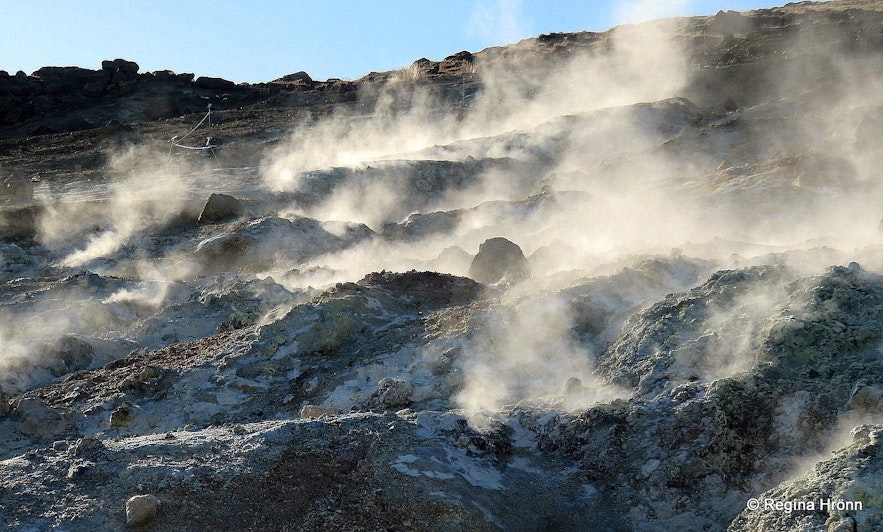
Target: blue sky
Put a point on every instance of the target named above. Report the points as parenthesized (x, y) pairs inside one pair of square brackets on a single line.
[(261, 40)]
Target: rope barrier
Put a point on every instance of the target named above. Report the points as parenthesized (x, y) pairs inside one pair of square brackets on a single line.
[(206, 147), (175, 142), (206, 117)]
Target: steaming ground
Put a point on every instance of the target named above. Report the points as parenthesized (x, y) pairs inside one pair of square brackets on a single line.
[(696, 320)]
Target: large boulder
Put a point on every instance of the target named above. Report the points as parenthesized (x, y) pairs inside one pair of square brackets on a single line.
[(219, 208), (38, 420), (392, 393), (497, 259)]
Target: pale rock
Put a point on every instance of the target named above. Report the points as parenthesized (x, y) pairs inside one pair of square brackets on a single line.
[(141, 509)]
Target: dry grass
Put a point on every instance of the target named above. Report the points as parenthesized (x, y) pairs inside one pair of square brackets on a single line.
[(832, 5)]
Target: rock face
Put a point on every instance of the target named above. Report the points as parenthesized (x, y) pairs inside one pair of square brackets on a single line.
[(730, 22), (497, 259), (220, 208), (55, 99)]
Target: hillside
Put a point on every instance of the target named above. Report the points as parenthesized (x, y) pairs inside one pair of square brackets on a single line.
[(622, 280)]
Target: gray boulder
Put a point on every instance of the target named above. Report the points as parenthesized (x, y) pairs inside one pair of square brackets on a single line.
[(141, 509), (498, 258)]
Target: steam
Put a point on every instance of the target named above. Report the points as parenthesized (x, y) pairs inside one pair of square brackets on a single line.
[(633, 11), (628, 169), (527, 351), (500, 21), (377, 128), (107, 230), (149, 194), (405, 123)]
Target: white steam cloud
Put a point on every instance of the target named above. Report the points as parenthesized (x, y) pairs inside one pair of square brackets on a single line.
[(634, 11), (500, 22), (526, 351), (628, 168), (149, 193)]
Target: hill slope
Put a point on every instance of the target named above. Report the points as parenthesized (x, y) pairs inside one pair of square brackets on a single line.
[(624, 280)]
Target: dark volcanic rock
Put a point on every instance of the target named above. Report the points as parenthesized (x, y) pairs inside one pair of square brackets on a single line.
[(19, 223), (459, 63), (298, 77), (214, 83), (220, 208), (497, 259), (428, 289), (120, 65)]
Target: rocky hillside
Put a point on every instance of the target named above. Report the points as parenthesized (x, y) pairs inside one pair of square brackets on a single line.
[(624, 280)]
